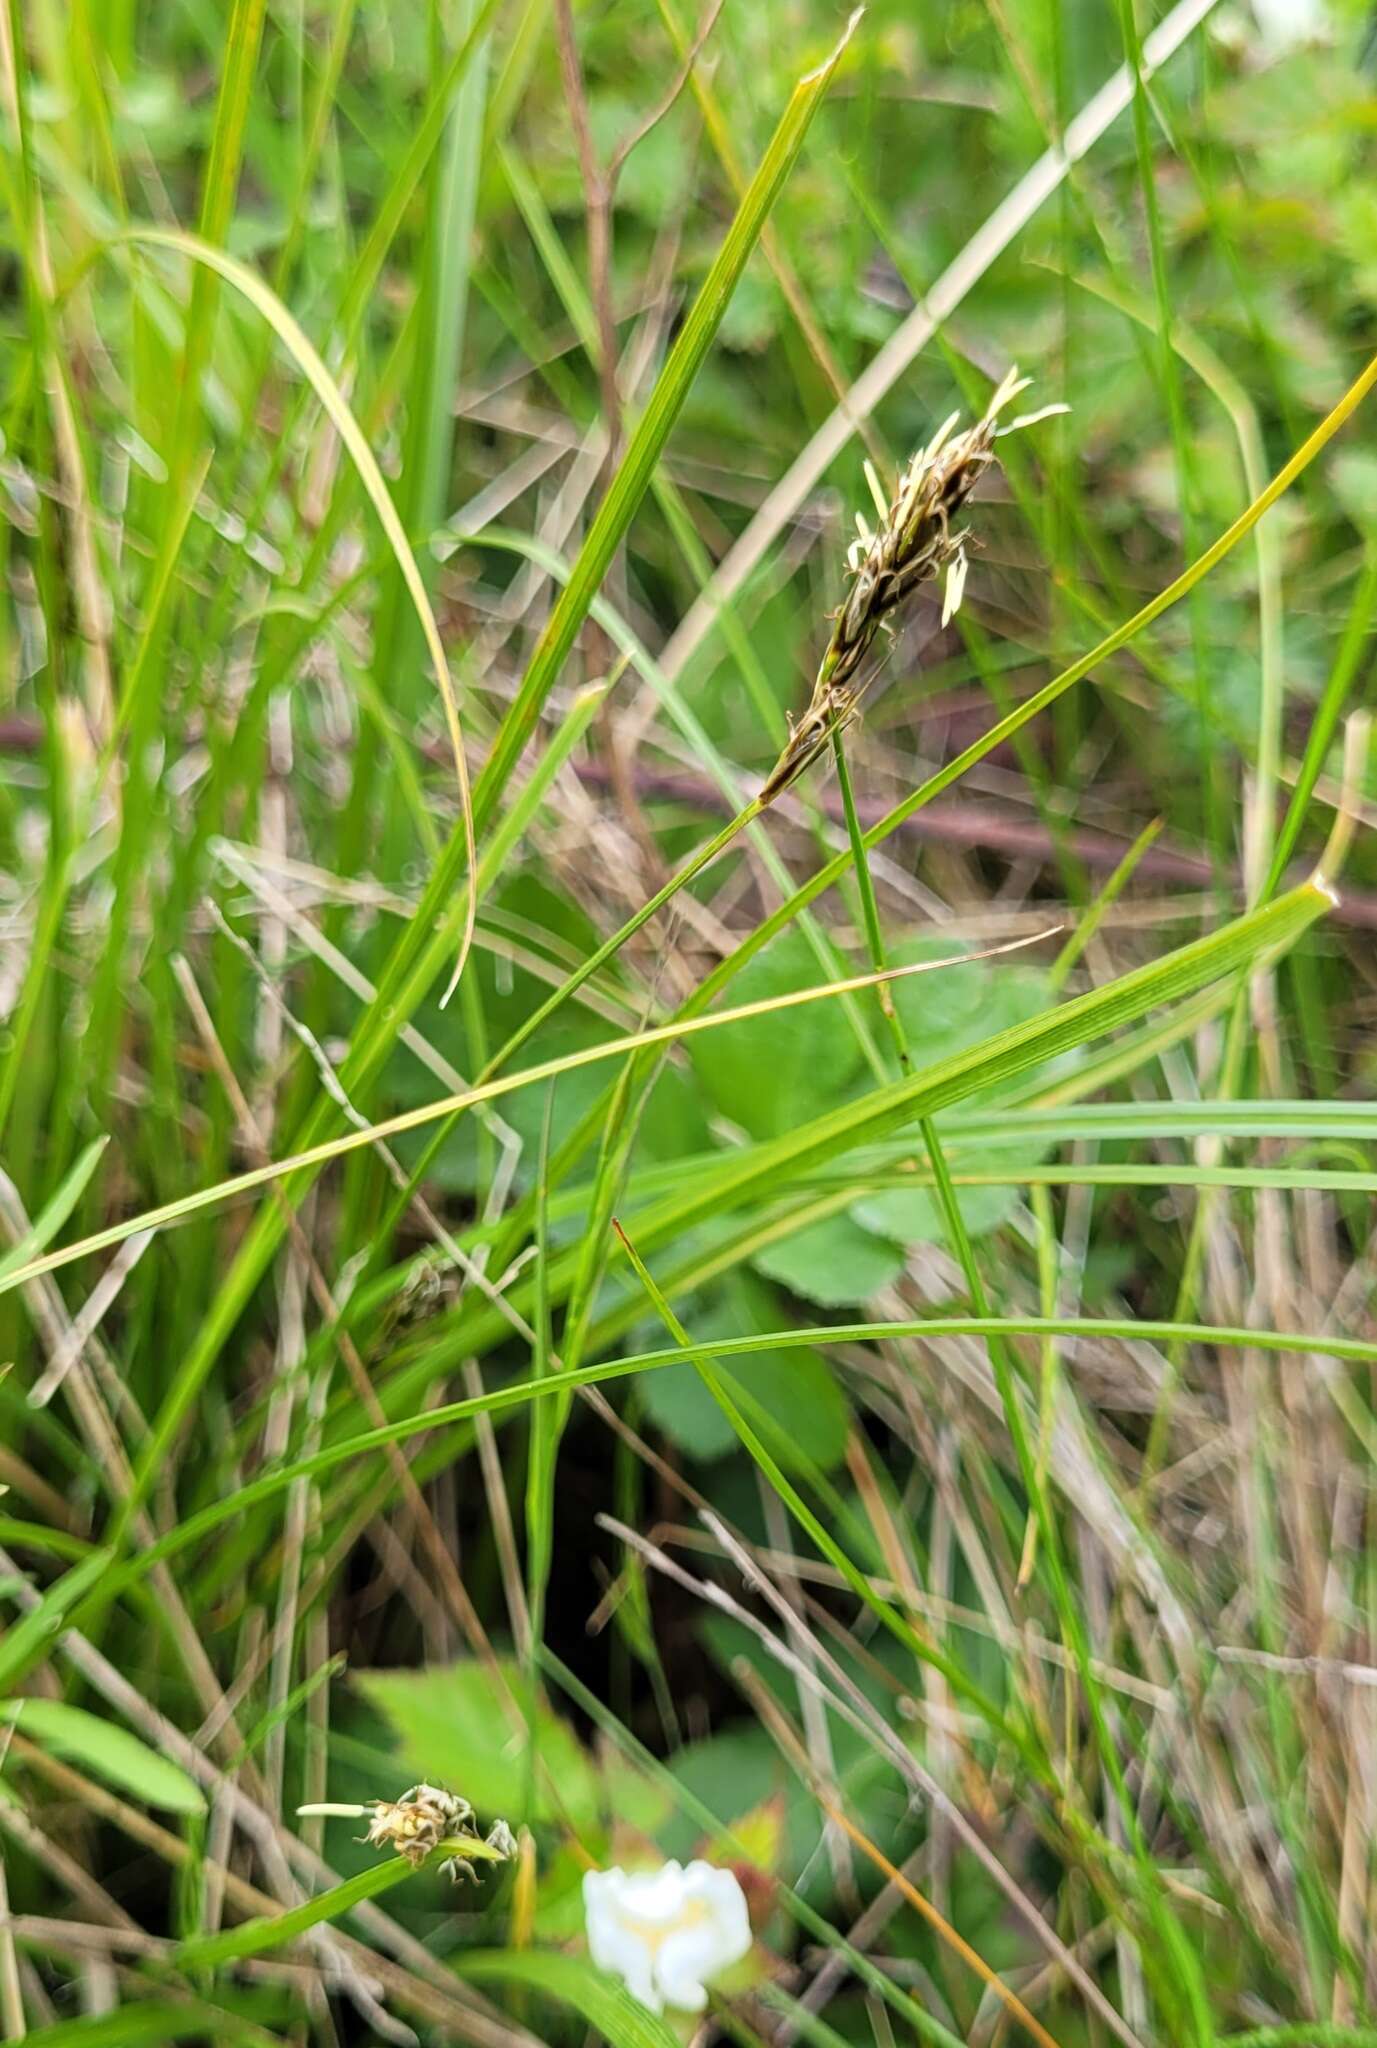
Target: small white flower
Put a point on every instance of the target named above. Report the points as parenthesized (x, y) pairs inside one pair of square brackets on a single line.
[(1285, 24), (665, 1932)]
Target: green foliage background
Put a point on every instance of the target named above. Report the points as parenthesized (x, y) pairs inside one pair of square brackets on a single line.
[(1017, 1321)]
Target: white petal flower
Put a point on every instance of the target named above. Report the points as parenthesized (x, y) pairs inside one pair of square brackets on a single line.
[(1285, 24), (665, 1932)]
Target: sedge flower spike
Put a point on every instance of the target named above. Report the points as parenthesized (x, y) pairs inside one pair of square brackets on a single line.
[(423, 1820), (913, 541), (666, 1932)]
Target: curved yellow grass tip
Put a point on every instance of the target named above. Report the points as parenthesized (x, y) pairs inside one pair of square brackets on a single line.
[(833, 55), (304, 354)]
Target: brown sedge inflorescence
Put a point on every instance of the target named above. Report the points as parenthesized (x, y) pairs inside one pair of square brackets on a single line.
[(915, 540)]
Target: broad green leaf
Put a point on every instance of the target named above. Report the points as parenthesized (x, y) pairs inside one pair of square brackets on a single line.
[(107, 1751), (942, 1014), (736, 1772), (680, 1407), (456, 1726), (604, 2003), (797, 1387), (993, 1062), (634, 1799), (770, 1073), (912, 1215), (836, 1260)]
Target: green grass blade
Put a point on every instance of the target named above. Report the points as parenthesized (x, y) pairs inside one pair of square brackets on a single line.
[(358, 1138), (994, 1060), (194, 1528), (1005, 728), (419, 956), (898, 1624), (151, 2020), (31, 1638), (54, 1212), (269, 1931), (341, 415), (651, 432), (1352, 649), (218, 189), (107, 1751), (602, 2002)]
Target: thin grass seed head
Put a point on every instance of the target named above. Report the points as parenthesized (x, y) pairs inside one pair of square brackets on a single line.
[(914, 540), (423, 1820), (417, 1823)]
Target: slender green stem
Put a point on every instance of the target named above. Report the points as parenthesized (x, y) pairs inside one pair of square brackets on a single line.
[(1183, 1965)]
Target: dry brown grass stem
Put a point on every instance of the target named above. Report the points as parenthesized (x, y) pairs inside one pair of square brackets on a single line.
[(846, 1699), (828, 1798)]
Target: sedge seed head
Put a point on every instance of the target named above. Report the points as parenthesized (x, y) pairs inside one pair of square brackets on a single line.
[(915, 539)]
